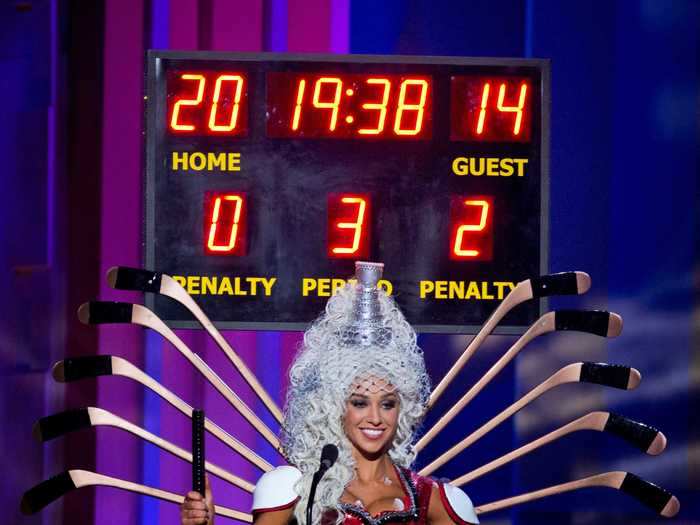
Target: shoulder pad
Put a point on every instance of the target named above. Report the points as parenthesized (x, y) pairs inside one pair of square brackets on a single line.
[(275, 489), (457, 504)]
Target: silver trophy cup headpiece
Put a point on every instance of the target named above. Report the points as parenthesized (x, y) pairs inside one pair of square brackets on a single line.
[(366, 324)]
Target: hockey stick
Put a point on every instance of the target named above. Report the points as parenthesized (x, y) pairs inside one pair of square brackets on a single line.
[(53, 488), (123, 278), (615, 376), (644, 437), (101, 312), (56, 425), (76, 368), (566, 283), (659, 500), (600, 323)]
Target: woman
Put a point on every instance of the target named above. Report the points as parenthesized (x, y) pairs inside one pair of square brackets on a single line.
[(359, 382)]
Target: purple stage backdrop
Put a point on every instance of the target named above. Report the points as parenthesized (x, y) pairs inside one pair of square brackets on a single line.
[(624, 196)]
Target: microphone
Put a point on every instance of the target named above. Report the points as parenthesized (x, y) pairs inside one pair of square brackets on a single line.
[(329, 455)]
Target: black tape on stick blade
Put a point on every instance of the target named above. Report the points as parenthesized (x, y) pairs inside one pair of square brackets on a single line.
[(110, 312), (647, 493), (198, 451), (591, 321), (75, 368), (635, 433), (46, 492), (137, 279), (616, 376), (564, 283), (60, 424)]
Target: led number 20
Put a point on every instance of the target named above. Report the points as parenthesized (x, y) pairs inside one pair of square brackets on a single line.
[(237, 85)]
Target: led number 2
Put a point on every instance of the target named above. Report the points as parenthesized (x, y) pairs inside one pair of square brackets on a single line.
[(357, 225), (458, 248), (229, 238), (174, 121)]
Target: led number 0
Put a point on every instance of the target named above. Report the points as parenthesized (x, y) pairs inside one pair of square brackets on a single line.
[(225, 242), (236, 103)]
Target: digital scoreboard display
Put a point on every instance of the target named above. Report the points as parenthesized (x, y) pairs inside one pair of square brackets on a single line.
[(268, 175)]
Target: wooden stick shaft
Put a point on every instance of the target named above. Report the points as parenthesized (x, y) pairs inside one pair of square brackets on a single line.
[(610, 479), (543, 325), (238, 403), (556, 379), (172, 289), (515, 297), (99, 416), (84, 478), (590, 421), (125, 368), (144, 317)]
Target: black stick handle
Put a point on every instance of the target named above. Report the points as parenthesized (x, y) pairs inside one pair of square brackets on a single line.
[(198, 451)]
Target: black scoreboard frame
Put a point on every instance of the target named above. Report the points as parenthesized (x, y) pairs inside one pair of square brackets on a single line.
[(153, 64)]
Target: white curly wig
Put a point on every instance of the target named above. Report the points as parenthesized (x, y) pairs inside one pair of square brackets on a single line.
[(320, 381)]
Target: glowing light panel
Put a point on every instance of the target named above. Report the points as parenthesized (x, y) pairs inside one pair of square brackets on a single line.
[(471, 220), (207, 103), (371, 107), (349, 224), (490, 109), (225, 224)]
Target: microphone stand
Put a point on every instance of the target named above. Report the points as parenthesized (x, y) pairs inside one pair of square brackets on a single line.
[(328, 456)]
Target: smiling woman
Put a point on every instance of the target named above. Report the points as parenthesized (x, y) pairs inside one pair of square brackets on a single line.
[(359, 382)]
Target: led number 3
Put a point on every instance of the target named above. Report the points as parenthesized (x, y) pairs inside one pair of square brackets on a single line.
[(381, 107), (357, 225)]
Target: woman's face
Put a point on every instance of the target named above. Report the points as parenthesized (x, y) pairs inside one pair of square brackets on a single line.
[(371, 419)]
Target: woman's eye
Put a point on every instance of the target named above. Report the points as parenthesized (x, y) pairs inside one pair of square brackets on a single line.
[(357, 403), (388, 405)]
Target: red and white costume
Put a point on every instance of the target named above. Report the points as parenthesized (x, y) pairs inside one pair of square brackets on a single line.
[(275, 491)]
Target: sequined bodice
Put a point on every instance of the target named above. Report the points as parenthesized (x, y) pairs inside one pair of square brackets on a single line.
[(415, 502)]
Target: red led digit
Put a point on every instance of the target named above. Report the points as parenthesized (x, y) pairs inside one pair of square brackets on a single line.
[(335, 105), (482, 110), (471, 237), (418, 108), (491, 108), (297, 107), (381, 106), (348, 218), (207, 103), (174, 120), (518, 110), (233, 119), (370, 107), (226, 225)]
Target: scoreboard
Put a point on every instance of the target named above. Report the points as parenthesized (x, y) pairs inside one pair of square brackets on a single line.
[(268, 175)]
